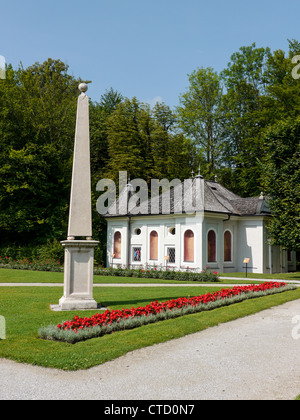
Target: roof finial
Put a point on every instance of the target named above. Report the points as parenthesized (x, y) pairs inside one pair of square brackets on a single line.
[(216, 178), (199, 173), (261, 196), (193, 173), (129, 186)]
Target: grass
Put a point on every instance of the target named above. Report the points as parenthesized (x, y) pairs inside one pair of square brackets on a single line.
[(26, 276), (26, 309), (51, 332), (277, 276)]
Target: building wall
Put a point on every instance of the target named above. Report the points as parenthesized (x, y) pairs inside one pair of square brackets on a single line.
[(249, 240), (215, 223), (292, 262), (141, 229), (250, 245)]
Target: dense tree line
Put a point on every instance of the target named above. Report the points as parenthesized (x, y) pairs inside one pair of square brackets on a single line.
[(37, 117), (241, 124), (228, 114)]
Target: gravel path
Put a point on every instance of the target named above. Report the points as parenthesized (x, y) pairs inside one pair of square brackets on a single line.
[(253, 358)]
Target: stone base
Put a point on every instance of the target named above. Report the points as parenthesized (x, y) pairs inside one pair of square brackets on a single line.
[(70, 304), (78, 276), (76, 305)]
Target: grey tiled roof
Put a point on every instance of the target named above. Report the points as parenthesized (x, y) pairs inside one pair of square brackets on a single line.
[(217, 199), (233, 203)]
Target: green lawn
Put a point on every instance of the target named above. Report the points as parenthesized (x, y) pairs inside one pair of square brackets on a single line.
[(278, 276), (27, 308), (26, 276)]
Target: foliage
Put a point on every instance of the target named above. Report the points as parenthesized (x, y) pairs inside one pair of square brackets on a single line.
[(131, 137), (51, 250), (44, 260), (282, 183), (34, 265), (245, 117), (37, 117), (156, 273), (223, 123), (200, 116), (140, 141)]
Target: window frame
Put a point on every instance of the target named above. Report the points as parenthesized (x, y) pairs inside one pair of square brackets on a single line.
[(168, 254), (157, 245), (231, 246), (208, 246), (136, 247), (185, 252), (114, 246)]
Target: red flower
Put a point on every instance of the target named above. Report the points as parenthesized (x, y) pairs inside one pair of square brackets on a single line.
[(108, 317)]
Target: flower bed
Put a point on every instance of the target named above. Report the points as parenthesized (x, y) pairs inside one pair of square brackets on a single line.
[(36, 264), (160, 273), (78, 329)]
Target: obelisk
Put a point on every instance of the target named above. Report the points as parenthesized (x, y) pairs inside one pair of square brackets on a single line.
[(80, 215), (79, 247)]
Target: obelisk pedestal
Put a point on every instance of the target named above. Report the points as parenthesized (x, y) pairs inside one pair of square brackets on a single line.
[(79, 247), (78, 275)]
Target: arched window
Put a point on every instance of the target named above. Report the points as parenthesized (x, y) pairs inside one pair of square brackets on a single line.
[(227, 246), (117, 245), (189, 246), (153, 245), (211, 246)]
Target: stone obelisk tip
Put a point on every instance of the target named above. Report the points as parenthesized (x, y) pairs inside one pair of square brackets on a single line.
[(83, 87)]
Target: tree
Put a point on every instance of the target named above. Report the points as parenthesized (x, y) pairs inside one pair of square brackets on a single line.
[(282, 183), (128, 129), (245, 117), (282, 89), (99, 116), (110, 99), (141, 142), (164, 116), (260, 92), (38, 110), (200, 116), (174, 155)]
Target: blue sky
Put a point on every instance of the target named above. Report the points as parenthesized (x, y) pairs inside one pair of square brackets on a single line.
[(142, 48)]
